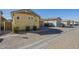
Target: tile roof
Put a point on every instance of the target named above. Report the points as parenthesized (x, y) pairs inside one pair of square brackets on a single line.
[(25, 10), (3, 19)]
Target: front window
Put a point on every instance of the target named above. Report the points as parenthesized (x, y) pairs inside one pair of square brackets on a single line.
[(30, 17), (17, 17)]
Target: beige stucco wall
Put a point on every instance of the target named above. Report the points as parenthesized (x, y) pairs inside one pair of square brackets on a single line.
[(24, 21)]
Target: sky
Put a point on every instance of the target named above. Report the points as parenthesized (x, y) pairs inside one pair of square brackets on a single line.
[(71, 14)]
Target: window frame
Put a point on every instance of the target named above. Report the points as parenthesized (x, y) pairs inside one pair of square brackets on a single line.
[(30, 17), (18, 17)]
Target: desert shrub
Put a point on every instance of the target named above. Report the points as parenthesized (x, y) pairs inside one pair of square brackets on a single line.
[(16, 29), (27, 28), (34, 28)]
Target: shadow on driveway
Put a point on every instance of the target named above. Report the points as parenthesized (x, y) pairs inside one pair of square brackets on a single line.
[(43, 31), (47, 31)]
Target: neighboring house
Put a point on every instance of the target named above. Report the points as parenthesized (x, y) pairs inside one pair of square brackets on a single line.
[(54, 22), (41, 22), (71, 22), (8, 25), (2, 20), (24, 18), (66, 22), (76, 23)]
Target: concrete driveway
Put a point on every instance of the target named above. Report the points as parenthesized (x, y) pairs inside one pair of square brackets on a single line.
[(26, 40)]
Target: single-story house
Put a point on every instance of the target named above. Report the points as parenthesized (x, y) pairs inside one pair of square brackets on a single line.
[(66, 22), (76, 23), (25, 18), (71, 22), (55, 22)]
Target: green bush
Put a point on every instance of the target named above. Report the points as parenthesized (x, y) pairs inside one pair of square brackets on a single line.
[(27, 28), (16, 29), (34, 28)]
